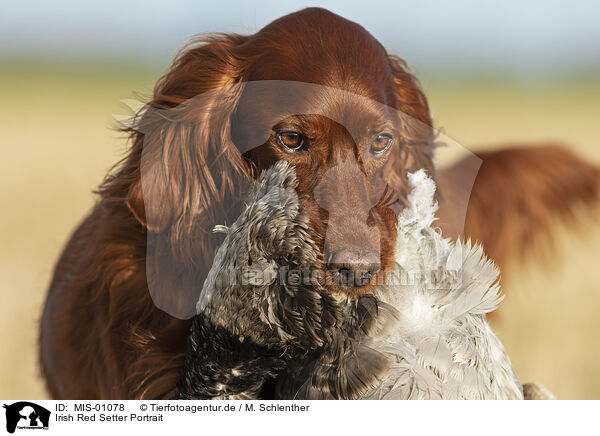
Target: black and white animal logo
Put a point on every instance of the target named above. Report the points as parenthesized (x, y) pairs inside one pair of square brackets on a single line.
[(26, 415)]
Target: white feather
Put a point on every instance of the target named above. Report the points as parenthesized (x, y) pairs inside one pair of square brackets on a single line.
[(440, 344)]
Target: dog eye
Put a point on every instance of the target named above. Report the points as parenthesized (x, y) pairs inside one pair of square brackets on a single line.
[(291, 140), (381, 144)]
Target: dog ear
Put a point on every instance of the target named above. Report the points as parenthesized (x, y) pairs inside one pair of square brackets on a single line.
[(415, 150), (187, 161), (183, 175)]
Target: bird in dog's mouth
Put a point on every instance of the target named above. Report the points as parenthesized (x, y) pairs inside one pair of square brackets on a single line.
[(420, 334)]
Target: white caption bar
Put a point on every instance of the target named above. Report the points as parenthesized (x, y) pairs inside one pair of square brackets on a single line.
[(306, 418)]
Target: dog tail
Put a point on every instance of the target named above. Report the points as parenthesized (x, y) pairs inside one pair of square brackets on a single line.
[(520, 193)]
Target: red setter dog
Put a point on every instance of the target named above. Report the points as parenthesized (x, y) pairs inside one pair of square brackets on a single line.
[(103, 333)]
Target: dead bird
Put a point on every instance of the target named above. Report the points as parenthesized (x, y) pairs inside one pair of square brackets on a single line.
[(422, 334)]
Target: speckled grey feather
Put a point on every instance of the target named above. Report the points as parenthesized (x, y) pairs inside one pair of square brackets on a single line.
[(243, 292), (249, 320)]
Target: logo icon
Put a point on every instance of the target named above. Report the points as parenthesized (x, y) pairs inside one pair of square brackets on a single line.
[(26, 415)]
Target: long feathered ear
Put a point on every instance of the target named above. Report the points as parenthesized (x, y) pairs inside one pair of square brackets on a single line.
[(188, 164), (418, 137), (183, 174)]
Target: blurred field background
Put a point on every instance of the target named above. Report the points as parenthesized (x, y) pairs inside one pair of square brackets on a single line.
[(58, 141)]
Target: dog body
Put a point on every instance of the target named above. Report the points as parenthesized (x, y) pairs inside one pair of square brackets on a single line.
[(117, 313)]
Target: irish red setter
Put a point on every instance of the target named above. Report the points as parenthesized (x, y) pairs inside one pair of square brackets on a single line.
[(117, 313)]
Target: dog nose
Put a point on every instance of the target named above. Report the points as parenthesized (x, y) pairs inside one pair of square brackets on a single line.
[(353, 268)]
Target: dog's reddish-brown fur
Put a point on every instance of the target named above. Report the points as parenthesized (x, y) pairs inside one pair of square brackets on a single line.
[(102, 335)]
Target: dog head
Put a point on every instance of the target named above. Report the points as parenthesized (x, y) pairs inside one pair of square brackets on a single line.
[(311, 88)]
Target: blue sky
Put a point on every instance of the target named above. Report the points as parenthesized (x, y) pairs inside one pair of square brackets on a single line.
[(532, 35)]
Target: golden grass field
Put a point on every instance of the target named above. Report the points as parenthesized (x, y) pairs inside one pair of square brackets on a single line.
[(58, 142)]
